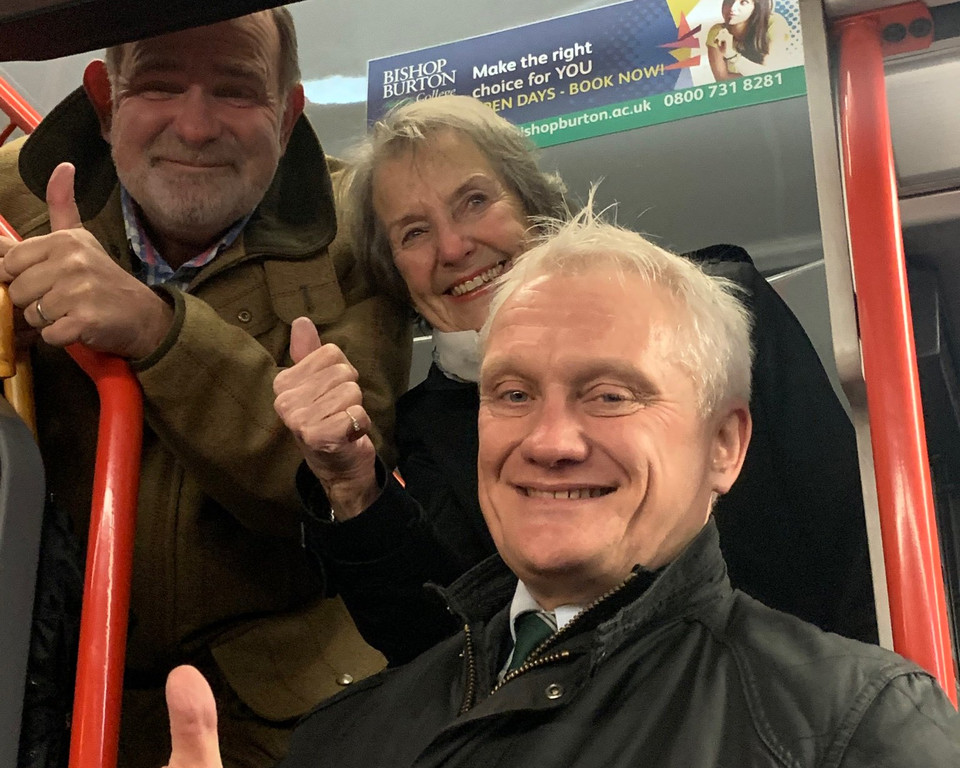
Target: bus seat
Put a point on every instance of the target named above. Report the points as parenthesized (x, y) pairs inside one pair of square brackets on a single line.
[(940, 396), (792, 527), (21, 517)]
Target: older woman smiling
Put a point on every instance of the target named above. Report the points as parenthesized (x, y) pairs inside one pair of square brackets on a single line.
[(452, 225), (443, 194)]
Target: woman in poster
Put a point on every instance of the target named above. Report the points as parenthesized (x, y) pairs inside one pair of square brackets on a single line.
[(751, 39)]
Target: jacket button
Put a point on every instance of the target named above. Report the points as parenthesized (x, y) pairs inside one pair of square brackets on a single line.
[(344, 679), (554, 691), (244, 316)]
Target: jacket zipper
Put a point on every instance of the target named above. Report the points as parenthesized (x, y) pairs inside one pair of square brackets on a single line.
[(528, 665), (471, 691), (534, 659)]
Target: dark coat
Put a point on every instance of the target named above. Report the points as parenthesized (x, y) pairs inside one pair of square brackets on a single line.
[(672, 669)]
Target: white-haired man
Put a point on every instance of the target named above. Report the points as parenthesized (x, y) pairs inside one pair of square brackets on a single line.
[(203, 224), (614, 391)]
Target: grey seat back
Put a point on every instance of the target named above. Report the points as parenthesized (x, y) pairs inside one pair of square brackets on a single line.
[(21, 516)]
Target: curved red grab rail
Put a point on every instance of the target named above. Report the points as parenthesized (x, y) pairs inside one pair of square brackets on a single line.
[(95, 726), (908, 524), (21, 114)]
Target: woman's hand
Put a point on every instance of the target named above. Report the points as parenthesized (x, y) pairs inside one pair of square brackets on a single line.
[(721, 52), (320, 401), (725, 43)]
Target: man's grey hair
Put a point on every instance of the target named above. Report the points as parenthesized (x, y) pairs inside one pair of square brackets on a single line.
[(289, 64), (410, 127), (712, 343)]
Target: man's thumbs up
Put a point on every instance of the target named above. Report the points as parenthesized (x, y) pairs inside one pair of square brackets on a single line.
[(60, 200), (73, 291), (193, 720)]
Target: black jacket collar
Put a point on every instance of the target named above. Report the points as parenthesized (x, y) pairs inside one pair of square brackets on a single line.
[(698, 575)]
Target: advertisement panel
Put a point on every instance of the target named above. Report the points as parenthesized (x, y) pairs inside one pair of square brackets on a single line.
[(610, 69)]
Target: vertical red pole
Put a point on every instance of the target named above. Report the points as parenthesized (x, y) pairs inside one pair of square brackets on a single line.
[(908, 525), (95, 729)]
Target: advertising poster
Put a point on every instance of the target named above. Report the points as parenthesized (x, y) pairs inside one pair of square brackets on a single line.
[(610, 69)]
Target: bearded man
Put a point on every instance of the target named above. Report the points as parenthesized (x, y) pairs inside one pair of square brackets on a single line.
[(203, 224)]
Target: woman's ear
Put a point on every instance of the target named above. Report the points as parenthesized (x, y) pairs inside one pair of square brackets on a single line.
[(731, 438), (96, 83)]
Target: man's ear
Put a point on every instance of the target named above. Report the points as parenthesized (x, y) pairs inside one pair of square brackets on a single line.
[(291, 113), (730, 443), (96, 82)]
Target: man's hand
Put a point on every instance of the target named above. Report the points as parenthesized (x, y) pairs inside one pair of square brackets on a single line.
[(71, 290), (193, 721), (320, 401), (24, 333)]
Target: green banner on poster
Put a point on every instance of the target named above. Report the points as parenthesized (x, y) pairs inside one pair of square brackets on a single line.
[(666, 107)]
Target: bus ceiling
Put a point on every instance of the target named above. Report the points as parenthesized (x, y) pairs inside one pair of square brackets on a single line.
[(37, 30)]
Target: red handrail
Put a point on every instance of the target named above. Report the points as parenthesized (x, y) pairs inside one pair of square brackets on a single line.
[(95, 727), (106, 592), (21, 114), (908, 524)]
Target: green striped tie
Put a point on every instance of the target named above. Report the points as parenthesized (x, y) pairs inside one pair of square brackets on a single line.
[(531, 629)]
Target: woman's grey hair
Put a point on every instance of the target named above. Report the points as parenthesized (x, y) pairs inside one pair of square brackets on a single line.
[(412, 125), (714, 346), (288, 73)]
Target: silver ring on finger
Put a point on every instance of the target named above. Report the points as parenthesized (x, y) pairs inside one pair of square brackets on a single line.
[(43, 318), (354, 424)]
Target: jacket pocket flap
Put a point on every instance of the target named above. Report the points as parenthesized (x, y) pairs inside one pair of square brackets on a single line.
[(282, 667), (308, 288)]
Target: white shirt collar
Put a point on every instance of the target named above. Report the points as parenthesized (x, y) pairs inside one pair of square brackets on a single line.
[(524, 601)]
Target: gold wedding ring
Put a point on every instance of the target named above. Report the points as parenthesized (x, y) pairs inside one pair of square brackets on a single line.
[(355, 425), (43, 318)]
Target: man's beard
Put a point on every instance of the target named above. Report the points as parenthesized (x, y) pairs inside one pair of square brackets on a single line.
[(192, 204), (201, 204)]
